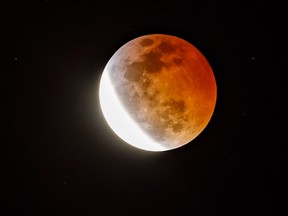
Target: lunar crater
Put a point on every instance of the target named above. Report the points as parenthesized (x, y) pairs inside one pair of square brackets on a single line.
[(146, 42)]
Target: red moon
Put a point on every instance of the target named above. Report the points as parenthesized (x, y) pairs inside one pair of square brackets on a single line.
[(158, 92)]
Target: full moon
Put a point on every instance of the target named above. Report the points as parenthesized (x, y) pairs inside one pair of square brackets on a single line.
[(157, 92)]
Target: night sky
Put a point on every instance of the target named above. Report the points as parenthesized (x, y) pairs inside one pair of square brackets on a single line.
[(59, 156)]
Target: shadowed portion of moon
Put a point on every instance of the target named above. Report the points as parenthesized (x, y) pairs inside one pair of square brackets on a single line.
[(166, 85)]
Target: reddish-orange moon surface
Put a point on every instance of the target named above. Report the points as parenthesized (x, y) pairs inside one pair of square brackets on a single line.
[(158, 92)]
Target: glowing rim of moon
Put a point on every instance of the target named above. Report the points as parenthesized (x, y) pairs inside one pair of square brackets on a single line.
[(120, 121)]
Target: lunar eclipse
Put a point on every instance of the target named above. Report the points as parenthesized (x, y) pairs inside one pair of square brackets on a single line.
[(157, 92)]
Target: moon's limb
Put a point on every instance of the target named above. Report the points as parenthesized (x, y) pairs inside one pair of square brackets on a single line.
[(120, 121)]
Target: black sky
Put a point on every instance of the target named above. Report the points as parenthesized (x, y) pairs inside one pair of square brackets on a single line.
[(61, 158)]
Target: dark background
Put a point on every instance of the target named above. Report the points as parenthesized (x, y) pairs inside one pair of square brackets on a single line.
[(61, 158)]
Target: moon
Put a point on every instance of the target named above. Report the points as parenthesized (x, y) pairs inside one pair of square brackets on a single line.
[(157, 92)]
